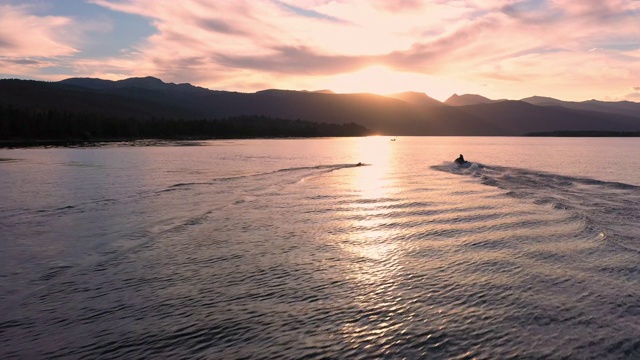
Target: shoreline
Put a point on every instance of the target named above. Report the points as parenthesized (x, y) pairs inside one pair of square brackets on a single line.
[(83, 143), (77, 143), (21, 144), (577, 133)]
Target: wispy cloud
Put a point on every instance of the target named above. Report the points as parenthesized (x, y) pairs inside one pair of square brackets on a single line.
[(631, 97), (295, 60), (218, 25), (309, 13), (23, 34), (399, 5)]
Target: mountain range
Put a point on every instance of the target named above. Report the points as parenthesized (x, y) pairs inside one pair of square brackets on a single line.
[(408, 113)]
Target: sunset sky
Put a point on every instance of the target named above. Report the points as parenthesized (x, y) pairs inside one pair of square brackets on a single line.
[(570, 50)]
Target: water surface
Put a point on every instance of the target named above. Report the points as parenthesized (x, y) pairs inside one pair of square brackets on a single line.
[(286, 249)]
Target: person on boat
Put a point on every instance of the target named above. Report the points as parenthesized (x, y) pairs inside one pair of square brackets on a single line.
[(359, 164), (460, 160)]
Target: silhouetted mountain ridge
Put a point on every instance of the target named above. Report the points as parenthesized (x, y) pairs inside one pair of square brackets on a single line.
[(408, 113), (468, 99), (520, 117), (148, 82), (627, 108), (417, 98)]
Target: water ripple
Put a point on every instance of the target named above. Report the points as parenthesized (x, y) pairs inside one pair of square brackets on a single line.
[(256, 266)]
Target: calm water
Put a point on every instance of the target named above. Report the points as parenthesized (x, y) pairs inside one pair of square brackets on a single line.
[(285, 249)]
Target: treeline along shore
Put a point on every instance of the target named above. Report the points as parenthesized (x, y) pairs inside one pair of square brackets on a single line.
[(24, 127), (571, 133)]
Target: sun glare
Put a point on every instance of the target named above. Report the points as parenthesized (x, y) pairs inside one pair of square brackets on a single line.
[(379, 79), (372, 180)]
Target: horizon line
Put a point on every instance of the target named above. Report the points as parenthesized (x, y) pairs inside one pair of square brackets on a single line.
[(319, 91)]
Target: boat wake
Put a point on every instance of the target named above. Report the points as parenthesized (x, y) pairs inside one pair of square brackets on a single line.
[(610, 209), (302, 173)]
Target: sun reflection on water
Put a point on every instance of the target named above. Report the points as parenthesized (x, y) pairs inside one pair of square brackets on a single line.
[(374, 184), (373, 180), (372, 242)]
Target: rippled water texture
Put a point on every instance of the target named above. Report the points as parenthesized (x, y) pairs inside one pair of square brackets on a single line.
[(287, 249)]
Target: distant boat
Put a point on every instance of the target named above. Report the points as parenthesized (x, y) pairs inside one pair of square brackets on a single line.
[(394, 139)]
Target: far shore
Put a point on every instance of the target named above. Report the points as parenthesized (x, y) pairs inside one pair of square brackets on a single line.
[(84, 143), (97, 143), (571, 133), (79, 143)]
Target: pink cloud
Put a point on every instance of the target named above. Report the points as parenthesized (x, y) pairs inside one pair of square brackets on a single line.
[(241, 45), (26, 35), (399, 5), (632, 97), (500, 41)]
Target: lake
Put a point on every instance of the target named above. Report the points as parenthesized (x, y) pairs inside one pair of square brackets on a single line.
[(287, 249)]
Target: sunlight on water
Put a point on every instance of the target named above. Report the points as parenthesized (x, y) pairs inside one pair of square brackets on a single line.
[(376, 255), (373, 181)]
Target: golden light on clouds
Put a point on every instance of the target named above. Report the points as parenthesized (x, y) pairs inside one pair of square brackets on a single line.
[(379, 79), (501, 49)]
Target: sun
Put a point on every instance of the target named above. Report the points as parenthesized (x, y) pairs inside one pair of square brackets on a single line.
[(381, 80)]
